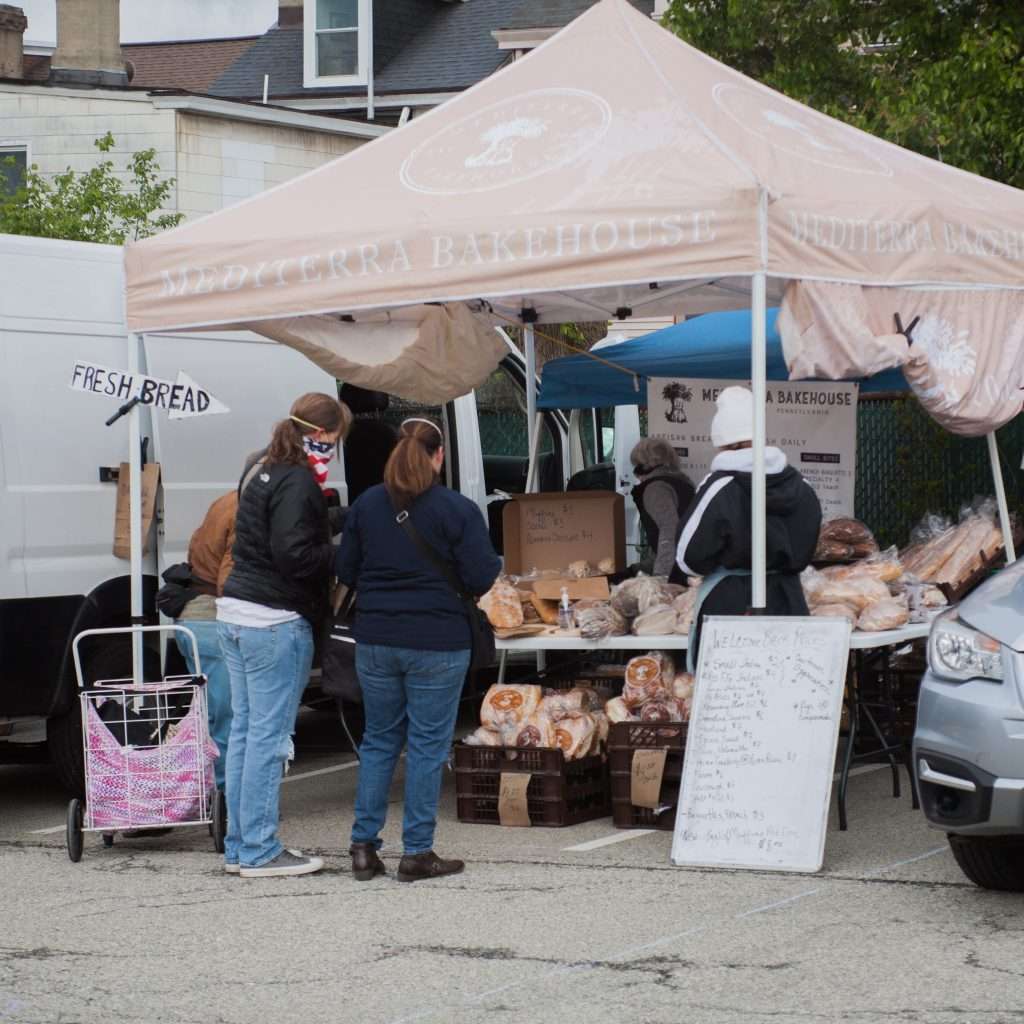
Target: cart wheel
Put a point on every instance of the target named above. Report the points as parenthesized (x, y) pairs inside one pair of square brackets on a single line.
[(108, 839), (74, 831), (220, 820)]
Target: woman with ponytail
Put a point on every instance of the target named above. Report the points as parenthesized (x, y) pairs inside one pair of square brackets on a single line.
[(275, 594), (413, 640)]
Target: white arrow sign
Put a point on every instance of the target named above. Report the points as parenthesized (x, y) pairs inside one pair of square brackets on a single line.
[(182, 398)]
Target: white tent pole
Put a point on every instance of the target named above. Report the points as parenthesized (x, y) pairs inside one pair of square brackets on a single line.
[(759, 386), (530, 349), (135, 509), (1004, 512), (535, 431)]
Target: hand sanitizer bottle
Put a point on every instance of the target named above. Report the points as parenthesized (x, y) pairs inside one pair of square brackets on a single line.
[(564, 611)]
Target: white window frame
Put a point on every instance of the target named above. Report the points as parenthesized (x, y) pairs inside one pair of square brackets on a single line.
[(10, 146), (310, 78)]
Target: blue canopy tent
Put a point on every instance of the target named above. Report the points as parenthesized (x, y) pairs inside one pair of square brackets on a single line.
[(713, 346)]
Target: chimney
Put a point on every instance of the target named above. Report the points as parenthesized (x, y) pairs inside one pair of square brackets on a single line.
[(88, 44), (289, 13), (12, 30)]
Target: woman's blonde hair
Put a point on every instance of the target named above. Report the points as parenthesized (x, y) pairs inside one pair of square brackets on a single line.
[(409, 470), (309, 413)]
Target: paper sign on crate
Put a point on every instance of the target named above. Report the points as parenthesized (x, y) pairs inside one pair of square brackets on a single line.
[(761, 747)]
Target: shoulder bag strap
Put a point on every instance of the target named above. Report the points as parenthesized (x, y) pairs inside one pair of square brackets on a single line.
[(443, 567)]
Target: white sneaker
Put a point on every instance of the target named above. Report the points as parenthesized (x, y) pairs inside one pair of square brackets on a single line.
[(232, 868), (287, 862)]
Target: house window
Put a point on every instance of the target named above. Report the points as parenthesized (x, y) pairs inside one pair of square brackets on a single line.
[(337, 35), (13, 164)]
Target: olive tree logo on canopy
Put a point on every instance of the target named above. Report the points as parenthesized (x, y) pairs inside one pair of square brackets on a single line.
[(676, 395), (508, 142)]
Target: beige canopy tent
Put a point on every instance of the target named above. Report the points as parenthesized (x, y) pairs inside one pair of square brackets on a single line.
[(614, 171)]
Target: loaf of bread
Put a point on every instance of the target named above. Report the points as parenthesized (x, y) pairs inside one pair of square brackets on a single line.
[(537, 731), (574, 734), (836, 611), (484, 737), (502, 606), (505, 705), (660, 620), (618, 710), (546, 609), (889, 613)]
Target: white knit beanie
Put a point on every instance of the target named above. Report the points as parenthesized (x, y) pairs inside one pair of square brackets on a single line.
[(734, 420)]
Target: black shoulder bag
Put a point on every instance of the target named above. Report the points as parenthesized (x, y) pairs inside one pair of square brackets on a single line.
[(481, 634), (338, 676)]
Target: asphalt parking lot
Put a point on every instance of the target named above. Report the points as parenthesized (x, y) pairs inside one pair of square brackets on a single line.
[(586, 924)]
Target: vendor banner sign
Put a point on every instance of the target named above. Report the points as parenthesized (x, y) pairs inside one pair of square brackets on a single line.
[(814, 423)]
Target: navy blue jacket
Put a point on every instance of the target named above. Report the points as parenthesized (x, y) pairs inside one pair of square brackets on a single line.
[(402, 600)]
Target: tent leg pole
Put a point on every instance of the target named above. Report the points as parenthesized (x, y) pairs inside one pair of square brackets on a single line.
[(537, 425), (530, 350), (1004, 512), (135, 509), (758, 366)]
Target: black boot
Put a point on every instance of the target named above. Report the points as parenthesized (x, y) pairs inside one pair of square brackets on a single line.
[(366, 865), (414, 867)]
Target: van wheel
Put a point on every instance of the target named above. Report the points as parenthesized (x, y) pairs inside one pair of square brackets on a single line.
[(993, 862), (64, 733)]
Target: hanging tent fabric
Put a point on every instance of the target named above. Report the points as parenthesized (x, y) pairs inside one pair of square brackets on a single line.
[(614, 170), (715, 346)]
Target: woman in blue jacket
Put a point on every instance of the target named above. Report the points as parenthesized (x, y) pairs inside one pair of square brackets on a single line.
[(413, 642)]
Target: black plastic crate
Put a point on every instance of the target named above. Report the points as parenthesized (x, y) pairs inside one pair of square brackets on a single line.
[(560, 792), (623, 739)]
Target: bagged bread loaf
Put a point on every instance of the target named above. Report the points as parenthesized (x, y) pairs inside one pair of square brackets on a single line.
[(502, 606), (606, 566), (546, 610), (579, 570), (633, 597), (883, 565), (977, 540), (558, 703), (537, 731), (932, 597), (644, 670), (598, 621), (856, 591), (836, 611), (846, 531), (668, 710), (890, 613), (685, 604), (617, 710), (657, 621), (682, 686), (484, 737), (926, 561), (832, 551), (505, 705), (574, 734)]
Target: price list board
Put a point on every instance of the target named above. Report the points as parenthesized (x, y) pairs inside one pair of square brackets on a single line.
[(760, 751)]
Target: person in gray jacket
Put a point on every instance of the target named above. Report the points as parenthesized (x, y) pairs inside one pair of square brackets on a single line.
[(662, 497)]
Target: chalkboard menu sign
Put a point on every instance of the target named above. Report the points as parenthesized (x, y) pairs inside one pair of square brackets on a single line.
[(760, 752)]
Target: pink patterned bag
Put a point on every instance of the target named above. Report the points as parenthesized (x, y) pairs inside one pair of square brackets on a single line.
[(167, 784)]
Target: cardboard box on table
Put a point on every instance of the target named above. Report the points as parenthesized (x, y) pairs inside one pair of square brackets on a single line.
[(550, 531)]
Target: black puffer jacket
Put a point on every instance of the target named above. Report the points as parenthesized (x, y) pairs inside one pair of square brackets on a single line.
[(282, 553)]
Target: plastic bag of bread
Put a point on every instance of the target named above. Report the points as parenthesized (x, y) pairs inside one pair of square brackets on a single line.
[(813, 581), (682, 686), (558, 703), (536, 731), (657, 621), (856, 591), (579, 570), (632, 597), (601, 731), (846, 531), (883, 565), (832, 551), (644, 680), (600, 620), (890, 613), (484, 737), (574, 734), (685, 605), (932, 597), (837, 611), (507, 704), (502, 606), (667, 710), (978, 539), (617, 710)]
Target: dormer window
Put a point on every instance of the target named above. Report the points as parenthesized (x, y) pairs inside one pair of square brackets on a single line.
[(337, 37)]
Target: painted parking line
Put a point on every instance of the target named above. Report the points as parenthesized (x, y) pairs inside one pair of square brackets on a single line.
[(617, 837), (320, 771), (47, 831)]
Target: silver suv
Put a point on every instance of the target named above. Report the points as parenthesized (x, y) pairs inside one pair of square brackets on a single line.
[(969, 741)]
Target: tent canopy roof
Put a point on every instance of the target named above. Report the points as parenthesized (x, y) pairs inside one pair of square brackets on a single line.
[(613, 168), (716, 346)]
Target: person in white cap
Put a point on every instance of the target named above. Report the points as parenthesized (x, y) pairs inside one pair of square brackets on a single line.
[(716, 536)]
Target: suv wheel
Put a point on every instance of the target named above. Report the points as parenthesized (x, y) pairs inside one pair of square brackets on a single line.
[(993, 862)]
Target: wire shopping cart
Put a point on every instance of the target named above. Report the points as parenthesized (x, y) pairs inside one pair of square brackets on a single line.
[(148, 753)]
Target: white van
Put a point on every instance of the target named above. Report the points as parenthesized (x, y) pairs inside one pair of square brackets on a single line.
[(62, 302)]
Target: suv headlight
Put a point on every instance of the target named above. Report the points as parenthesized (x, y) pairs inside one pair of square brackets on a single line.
[(956, 651)]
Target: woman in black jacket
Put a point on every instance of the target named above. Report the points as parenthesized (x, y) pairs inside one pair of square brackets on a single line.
[(275, 594), (413, 641)]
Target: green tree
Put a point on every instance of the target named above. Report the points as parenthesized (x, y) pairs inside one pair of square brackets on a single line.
[(94, 205), (942, 77)]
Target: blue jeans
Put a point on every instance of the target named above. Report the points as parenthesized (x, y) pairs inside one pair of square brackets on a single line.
[(269, 669), (409, 697), (218, 684)]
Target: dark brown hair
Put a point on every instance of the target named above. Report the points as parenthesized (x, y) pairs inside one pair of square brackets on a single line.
[(409, 471), (318, 411)]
